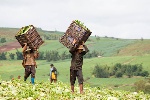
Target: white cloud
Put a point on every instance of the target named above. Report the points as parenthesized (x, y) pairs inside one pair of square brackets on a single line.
[(112, 18)]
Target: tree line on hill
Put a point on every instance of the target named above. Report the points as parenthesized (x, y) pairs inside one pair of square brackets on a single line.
[(52, 55), (119, 70)]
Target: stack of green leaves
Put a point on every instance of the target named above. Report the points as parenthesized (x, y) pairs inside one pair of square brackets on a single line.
[(20, 90), (81, 25), (24, 30)]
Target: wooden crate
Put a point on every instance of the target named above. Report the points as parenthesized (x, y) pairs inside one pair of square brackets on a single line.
[(31, 37), (76, 32)]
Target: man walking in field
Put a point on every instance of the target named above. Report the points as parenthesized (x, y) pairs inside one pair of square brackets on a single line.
[(53, 74), (76, 65), (29, 63)]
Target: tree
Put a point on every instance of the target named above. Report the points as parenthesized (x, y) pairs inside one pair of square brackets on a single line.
[(63, 56), (3, 56), (129, 72), (100, 72), (12, 56), (19, 55), (144, 73), (52, 56), (41, 56), (3, 40), (118, 74)]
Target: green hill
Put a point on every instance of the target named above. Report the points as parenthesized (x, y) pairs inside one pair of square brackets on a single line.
[(137, 48), (9, 33), (106, 46)]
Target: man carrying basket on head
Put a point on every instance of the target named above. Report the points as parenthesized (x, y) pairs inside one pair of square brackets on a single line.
[(29, 56), (76, 65)]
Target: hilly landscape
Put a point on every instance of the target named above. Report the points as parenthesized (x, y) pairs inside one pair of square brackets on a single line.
[(104, 51)]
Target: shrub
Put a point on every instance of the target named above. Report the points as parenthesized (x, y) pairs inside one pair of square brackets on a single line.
[(144, 73), (3, 40), (118, 74), (143, 85), (100, 72)]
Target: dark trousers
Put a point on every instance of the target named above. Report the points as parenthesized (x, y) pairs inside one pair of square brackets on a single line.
[(74, 74), (29, 69)]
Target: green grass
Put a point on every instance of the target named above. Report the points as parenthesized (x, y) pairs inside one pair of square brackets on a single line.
[(109, 46), (14, 67)]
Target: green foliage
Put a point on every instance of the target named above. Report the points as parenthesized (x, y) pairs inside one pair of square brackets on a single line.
[(143, 85), (3, 40), (118, 70), (118, 74), (3, 56), (130, 70), (41, 56), (18, 90), (144, 73), (19, 55), (92, 54), (12, 56), (100, 72), (52, 56)]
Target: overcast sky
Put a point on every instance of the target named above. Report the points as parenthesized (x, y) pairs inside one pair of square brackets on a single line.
[(113, 18)]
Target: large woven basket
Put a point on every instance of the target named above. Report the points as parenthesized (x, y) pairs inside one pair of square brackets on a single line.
[(31, 37), (76, 32)]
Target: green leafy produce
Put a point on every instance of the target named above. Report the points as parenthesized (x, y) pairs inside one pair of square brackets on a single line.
[(23, 30), (20, 90), (81, 25)]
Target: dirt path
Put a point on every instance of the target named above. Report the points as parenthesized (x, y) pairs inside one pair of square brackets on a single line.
[(129, 61), (10, 46)]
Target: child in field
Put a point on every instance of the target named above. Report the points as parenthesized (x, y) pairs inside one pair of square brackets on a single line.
[(53, 74)]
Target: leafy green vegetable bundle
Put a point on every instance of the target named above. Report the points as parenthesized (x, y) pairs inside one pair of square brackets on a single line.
[(20, 90), (24, 30)]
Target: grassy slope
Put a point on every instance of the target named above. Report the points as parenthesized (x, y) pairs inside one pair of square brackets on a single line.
[(9, 33), (109, 46), (125, 51), (137, 48), (15, 68)]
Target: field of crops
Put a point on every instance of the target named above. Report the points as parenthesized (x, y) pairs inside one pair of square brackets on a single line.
[(14, 68), (19, 90)]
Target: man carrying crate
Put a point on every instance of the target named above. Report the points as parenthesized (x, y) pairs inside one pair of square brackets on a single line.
[(29, 63), (76, 65)]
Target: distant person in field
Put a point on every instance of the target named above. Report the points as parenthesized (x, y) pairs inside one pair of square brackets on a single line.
[(29, 56), (76, 65), (53, 74)]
